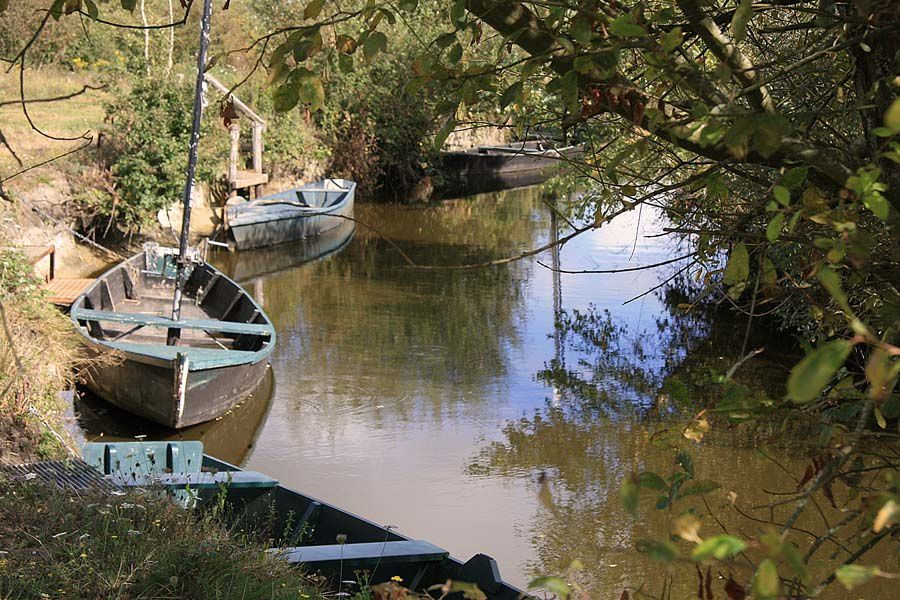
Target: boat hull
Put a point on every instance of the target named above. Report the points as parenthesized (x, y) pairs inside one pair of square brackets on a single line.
[(469, 172), (221, 356), (279, 510), (284, 223), (151, 391), (247, 266)]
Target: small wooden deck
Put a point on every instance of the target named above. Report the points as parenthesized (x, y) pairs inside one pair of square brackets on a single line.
[(63, 292)]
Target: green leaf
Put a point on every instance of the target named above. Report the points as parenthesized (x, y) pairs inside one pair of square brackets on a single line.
[(623, 26), (569, 91), (737, 140), (672, 39), (312, 91), (345, 64), (409, 5), (445, 40), (313, 9), (810, 376), (768, 133), (92, 10), (696, 488), (56, 9), (738, 267), (458, 13), (658, 551), (892, 116), (794, 177), (376, 42), (852, 576), (555, 585), (455, 54), (685, 461), (773, 230), (629, 493), (583, 63), (782, 195), (286, 96), (741, 19), (444, 132), (720, 547), (651, 481), (129, 5), (581, 30), (766, 584), (511, 94), (831, 281)]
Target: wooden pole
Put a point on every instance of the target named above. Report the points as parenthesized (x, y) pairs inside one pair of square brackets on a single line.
[(174, 333), (257, 153), (234, 131)]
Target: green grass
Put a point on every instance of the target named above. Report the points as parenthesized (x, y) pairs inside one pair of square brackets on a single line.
[(68, 118), (135, 546), (39, 351)]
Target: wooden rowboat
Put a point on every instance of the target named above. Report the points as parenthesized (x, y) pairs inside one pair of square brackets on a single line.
[(296, 214), (322, 538), (220, 358), (491, 168)]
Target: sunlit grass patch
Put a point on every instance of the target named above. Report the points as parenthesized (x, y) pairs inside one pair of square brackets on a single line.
[(96, 545), (68, 118)]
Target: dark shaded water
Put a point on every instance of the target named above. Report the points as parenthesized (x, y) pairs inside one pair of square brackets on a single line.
[(446, 402)]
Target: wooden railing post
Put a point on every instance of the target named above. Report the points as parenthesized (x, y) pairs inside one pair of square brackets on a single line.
[(257, 154), (235, 130)]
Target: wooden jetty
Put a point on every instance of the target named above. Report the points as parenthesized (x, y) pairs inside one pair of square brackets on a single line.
[(239, 178), (62, 291)]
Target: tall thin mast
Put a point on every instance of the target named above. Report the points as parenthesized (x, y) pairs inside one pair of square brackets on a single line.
[(175, 333)]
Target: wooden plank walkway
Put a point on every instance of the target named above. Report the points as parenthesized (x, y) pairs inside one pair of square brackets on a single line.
[(64, 292)]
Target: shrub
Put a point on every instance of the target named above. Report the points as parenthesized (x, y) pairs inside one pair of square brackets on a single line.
[(144, 151)]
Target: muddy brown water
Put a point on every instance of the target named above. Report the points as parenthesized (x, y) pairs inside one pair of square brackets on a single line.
[(448, 404)]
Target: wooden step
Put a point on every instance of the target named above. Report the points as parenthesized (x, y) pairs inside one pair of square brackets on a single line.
[(65, 291), (247, 179)]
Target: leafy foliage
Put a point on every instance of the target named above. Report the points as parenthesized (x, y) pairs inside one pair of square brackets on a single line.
[(143, 149)]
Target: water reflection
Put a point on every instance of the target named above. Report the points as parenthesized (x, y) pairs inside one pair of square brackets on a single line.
[(493, 410), (229, 437)]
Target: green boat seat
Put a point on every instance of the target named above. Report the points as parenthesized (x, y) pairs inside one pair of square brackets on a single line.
[(145, 320), (196, 481), (365, 554), (144, 457)]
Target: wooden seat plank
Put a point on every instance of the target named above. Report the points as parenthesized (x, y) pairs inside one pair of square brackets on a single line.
[(160, 321), (364, 554), (195, 481)]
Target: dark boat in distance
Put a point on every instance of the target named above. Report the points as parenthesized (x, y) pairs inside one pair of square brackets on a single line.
[(295, 214), (492, 168), (220, 358)]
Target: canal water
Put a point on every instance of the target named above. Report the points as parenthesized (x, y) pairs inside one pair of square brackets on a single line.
[(491, 410)]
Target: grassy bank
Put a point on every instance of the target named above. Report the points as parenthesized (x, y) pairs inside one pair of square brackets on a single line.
[(40, 355), (66, 545)]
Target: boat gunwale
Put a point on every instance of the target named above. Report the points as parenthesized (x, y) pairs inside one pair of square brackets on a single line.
[(346, 196), (228, 359)]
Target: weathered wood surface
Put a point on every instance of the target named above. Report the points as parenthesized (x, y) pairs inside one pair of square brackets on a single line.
[(160, 321), (64, 292), (364, 554)]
